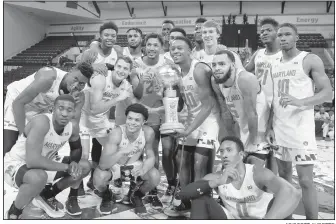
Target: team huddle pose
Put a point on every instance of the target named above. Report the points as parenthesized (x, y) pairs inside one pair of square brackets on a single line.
[(257, 117)]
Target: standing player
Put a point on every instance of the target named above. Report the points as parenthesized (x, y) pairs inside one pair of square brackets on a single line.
[(33, 162), (200, 135), (261, 63), (245, 100), (134, 40), (125, 147), (295, 75), (239, 186), (175, 32), (167, 25), (36, 94), (198, 37)]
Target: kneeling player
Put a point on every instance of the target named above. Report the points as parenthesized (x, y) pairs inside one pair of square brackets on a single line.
[(33, 162), (125, 148), (239, 186)]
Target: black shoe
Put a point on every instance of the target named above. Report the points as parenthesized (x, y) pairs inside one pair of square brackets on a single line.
[(127, 198), (177, 211), (11, 213), (106, 206), (154, 199), (168, 195), (72, 207), (219, 201), (139, 207)]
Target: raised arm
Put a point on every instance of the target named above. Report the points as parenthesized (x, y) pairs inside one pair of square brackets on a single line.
[(44, 79), (36, 132), (286, 196), (250, 65)]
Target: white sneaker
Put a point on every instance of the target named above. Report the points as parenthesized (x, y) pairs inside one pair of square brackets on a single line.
[(49, 206)]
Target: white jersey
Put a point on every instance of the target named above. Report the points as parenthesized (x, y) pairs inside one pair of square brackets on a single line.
[(294, 127), (111, 58), (235, 102), (150, 97), (51, 144), (190, 92), (263, 64), (167, 56), (43, 102), (110, 92), (247, 202), (126, 52), (139, 144)]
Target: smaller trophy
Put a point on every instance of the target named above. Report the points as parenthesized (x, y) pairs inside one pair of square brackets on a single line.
[(170, 78)]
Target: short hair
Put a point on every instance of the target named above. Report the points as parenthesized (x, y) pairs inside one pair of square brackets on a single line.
[(155, 36), (85, 68), (126, 59), (136, 30), (212, 23), (65, 97), (201, 20), (270, 21), (168, 21), (108, 25), (228, 53), (137, 108), (186, 40), (178, 29), (236, 140), (291, 25)]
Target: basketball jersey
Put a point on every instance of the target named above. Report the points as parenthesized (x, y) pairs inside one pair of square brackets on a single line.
[(150, 98), (248, 201), (139, 142), (52, 142), (294, 127), (263, 64), (43, 102), (235, 103), (111, 58), (126, 52), (167, 56), (110, 92), (190, 92)]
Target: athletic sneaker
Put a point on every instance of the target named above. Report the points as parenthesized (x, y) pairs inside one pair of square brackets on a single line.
[(154, 199), (127, 198), (117, 191), (106, 206), (139, 207), (168, 195), (72, 207), (177, 211), (51, 206)]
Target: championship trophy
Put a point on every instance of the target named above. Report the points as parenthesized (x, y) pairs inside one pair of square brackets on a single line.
[(170, 78)]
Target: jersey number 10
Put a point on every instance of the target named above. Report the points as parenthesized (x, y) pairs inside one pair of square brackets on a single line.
[(283, 86)]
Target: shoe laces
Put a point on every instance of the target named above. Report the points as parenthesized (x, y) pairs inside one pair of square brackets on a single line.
[(53, 201), (73, 201)]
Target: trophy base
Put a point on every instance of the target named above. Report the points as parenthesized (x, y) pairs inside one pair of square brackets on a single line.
[(169, 128)]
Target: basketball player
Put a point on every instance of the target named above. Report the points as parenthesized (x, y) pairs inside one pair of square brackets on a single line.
[(126, 146), (200, 136), (210, 35), (176, 31), (239, 186), (167, 25), (36, 94), (198, 37), (33, 162), (295, 76), (134, 39), (245, 100)]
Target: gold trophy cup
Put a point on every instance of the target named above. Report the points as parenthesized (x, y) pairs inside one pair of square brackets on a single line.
[(170, 78)]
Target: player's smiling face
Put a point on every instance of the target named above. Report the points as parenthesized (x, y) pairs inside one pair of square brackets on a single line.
[(179, 51), (153, 48), (210, 36), (108, 37), (122, 69), (134, 122)]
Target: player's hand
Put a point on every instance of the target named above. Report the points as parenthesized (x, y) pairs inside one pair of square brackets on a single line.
[(77, 95), (251, 148), (180, 133), (270, 136), (229, 174), (123, 95), (138, 171), (100, 68), (75, 170), (89, 56), (287, 99)]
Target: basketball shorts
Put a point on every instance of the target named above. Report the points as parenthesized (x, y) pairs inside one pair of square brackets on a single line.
[(14, 178), (205, 136), (9, 122), (296, 156)]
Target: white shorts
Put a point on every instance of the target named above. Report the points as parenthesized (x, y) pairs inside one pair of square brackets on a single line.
[(11, 167), (296, 156), (9, 122), (83, 130), (102, 132), (205, 136)]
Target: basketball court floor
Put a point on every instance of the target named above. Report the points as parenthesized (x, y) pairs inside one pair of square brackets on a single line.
[(324, 181)]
